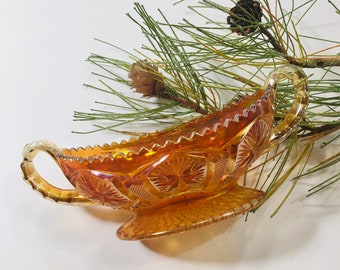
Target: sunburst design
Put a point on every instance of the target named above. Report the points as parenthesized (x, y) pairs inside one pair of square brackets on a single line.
[(178, 173), (252, 144), (99, 190)]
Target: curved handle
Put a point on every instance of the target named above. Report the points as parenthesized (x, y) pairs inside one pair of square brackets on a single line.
[(32, 177), (299, 80)]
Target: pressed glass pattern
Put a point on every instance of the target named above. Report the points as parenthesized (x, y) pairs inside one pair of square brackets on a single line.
[(177, 179)]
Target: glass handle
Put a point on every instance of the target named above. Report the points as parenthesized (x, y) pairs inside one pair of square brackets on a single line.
[(38, 183), (300, 102)]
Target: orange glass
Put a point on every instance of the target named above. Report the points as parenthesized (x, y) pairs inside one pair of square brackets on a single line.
[(177, 179)]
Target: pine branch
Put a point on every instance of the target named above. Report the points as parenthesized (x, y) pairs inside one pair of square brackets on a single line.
[(212, 63)]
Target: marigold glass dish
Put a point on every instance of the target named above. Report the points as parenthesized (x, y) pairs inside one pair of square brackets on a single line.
[(176, 179)]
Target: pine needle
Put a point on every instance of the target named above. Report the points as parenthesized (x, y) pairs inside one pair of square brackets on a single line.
[(205, 65)]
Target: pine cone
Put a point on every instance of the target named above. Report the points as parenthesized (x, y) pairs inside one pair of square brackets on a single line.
[(146, 78), (244, 17)]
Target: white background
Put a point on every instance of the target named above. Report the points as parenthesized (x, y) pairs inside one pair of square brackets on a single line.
[(43, 48)]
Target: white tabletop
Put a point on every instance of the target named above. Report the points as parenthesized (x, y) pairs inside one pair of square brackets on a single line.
[(43, 48)]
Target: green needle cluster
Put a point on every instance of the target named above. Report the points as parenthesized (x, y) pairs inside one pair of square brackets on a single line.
[(203, 67)]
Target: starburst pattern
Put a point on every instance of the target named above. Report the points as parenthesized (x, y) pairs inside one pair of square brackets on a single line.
[(98, 189), (252, 144), (178, 173)]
